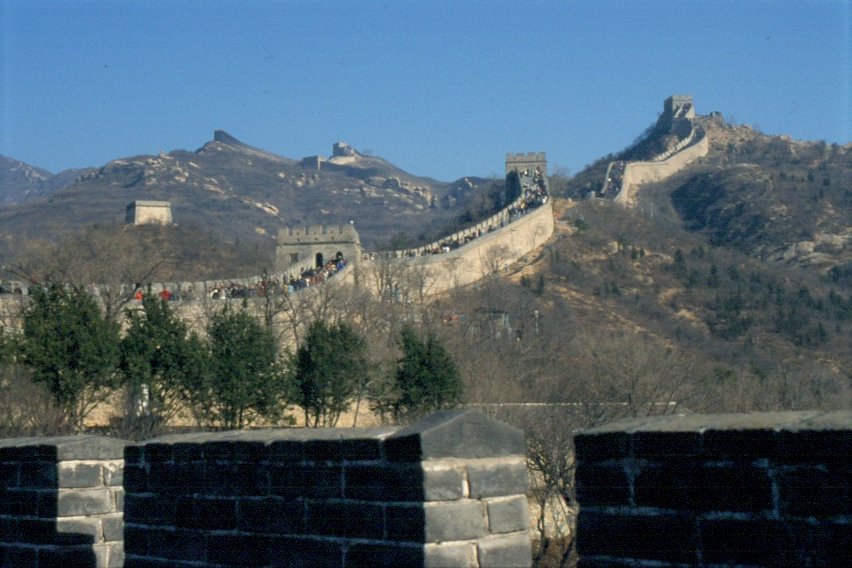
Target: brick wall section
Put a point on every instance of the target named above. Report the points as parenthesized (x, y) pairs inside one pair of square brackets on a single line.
[(61, 502), (448, 491), (763, 489)]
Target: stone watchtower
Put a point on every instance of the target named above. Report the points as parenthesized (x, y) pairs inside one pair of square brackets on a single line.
[(528, 161), (679, 106), (319, 243), (149, 213)]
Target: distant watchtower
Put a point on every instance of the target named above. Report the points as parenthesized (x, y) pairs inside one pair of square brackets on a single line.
[(319, 243), (528, 161), (149, 213), (679, 106)]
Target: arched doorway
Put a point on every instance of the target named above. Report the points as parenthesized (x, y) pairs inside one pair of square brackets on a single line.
[(319, 260)]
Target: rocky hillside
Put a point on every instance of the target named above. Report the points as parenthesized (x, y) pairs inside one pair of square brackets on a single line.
[(20, 182), (238, 192)]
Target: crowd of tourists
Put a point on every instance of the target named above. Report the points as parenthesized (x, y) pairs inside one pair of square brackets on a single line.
[(263, 287)]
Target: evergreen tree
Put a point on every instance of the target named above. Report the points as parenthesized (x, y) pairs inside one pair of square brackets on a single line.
[(426, 377), (328, 369), (243, 381), (71, 348), (161, 362)]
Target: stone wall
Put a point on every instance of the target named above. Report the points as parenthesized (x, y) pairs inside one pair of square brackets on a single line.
[(61, 502), (504, 239), (637, 173), (448, 491), (738, 490), (301, 244)]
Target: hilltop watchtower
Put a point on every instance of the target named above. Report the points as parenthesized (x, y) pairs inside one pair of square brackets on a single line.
[(527, 161), (319, 243), (149, 213), (679, 106)]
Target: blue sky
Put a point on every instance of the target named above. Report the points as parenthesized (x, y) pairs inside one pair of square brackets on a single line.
[(440, 88)]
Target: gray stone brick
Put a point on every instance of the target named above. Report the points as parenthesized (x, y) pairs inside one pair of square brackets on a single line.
[(498, 479), (509, 551), (118, 498), (116, 555), (457, 520), (80, 502), (450, 555), (509, 514), (88, 526), (76, 474), (113, 528), (443, 484), (113, 474)]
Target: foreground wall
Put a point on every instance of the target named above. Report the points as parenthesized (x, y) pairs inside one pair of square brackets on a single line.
[(448, 491), (61, 501), (740, 490)]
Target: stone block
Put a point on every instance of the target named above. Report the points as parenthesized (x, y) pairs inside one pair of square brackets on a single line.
[(135, 478), (597, 447), (65, 556), (753, 541), (455, 434), (455, 520), (77, 474), (321, 481), (653, 444), (118, 499), (440, 484), (172, 544), (384, 483), (505, 551), (602, 484), (655, 536), (815, 491), (740, 444), (345, 520), (18, 556), (37, 475), (9, 475), (290, 552), (450, 555), (89, 526), (364, 449), (136, 539), (21, 502), (80, 502), (113, 527), (141, 509), (113, 474), (115, 555), (273, 515), (497, 478), (682, 485), (384, 555), (508, 514), (207, 514), (238, 550), (234, 479), (405, 522)]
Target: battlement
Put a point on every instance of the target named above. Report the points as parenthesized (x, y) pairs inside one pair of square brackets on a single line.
[(345, 233), (526, 161)]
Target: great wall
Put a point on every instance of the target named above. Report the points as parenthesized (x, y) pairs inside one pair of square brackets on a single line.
[(710, 491)]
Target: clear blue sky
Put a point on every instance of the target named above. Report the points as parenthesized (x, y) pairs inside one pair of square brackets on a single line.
[(440, 88)]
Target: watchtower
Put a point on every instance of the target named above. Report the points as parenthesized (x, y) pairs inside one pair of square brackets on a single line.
[(527, 161), (679, 106), (319, 243), (149, 213)]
